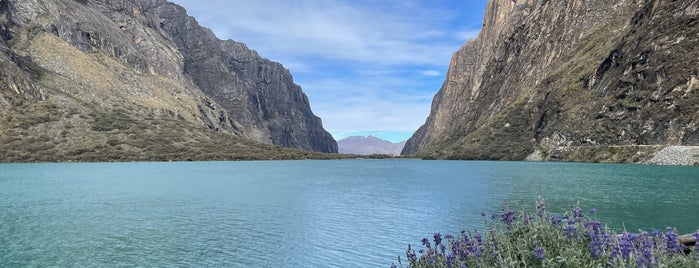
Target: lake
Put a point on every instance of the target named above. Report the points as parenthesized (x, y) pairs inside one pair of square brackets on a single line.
[(338, 213)]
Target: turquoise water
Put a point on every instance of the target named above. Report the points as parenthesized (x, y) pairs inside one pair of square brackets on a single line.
[(345, 213)]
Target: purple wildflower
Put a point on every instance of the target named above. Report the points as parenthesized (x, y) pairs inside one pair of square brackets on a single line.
[(626, 245), (594, 232), (541, 208), (593, 211), (539, 253), (615, 253), (410, 253), (482, 214), (696, 238), (570, 231), (555, 219), (508, 217), (577, 213), (437, 239), (426, 243), (673, 245), (450, 260)]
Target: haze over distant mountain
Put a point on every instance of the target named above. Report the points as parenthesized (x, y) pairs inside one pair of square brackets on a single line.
[(140, 80), (595, 80), (366, 145)]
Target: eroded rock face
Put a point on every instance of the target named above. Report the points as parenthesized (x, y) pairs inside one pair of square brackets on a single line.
[(555, 75), (150, 58), (258, 94)]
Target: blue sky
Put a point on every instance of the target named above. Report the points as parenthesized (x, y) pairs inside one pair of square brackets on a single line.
[(367, 66)]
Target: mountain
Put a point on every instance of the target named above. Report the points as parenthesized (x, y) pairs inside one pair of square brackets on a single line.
[(364, 145), (570, 80), (140, 80)]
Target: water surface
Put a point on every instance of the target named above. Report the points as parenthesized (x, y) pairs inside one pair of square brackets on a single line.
[(346, 213)]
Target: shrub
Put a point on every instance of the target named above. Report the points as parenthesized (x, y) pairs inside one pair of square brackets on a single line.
[(558, 240)]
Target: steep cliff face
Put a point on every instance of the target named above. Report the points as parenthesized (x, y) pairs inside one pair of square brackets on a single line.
[(569, 80), (128, 78), (259, 95)]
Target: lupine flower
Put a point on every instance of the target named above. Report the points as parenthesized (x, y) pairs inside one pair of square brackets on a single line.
[(696, 238), (657, 250), (426, 242), (437, 239), (541, 208), (539, 253), (555, 219), (626, 245), (615, 253), (570, 231), (673, 245), (450, 260), (410, 253), (577, 213), (594, 232), (508, 217)]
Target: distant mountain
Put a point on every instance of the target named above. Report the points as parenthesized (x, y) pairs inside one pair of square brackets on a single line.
[(368, 145)]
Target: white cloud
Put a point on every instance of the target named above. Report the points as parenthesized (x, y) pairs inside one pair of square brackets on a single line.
[(430, 73), (364, 64), (381, 33), (371, 104)]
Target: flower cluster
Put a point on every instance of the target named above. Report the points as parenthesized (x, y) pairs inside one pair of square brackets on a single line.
[(571, 240)]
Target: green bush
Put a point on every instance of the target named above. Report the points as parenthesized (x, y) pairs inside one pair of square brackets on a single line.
[(557, 240)]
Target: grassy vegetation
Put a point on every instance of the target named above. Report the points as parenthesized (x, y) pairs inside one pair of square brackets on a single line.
[(540, 239), (94, 108), (618, 93)]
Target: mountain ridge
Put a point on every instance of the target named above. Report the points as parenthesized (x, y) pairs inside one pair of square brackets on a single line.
[(368, 145), (116, 80), (571, 81)]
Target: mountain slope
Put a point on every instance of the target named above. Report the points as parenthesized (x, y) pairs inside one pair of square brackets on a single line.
[(569, 80), (366, 145), (111, 80)]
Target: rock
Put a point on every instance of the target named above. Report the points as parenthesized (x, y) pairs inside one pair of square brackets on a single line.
[(568, 74), (676, 155), (110, 68)]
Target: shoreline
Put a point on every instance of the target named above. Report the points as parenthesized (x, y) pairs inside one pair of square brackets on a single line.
[(675, 156)]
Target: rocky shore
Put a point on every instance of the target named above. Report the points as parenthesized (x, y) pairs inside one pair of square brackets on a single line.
[(676, 155)]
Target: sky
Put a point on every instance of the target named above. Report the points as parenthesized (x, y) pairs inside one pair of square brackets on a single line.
[(369, 67)]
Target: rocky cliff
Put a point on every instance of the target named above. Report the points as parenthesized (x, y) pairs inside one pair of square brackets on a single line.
[(139, 79), (570, 80)]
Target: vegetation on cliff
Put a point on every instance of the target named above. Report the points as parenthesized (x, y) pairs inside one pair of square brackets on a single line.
[(101, 81), (572, 81)]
